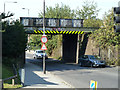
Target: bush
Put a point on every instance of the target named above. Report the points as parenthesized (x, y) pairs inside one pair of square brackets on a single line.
[(117, 63), (113, 62), (14, 40), (57, 54)]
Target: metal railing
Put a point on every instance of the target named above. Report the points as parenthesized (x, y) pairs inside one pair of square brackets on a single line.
[(11, 78)]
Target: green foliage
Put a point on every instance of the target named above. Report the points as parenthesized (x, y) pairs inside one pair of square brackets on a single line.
[(113, 62), (7, 72), (62, 11), (35, 42), (105, 36), (12, 86), (13, 41), (51, 44), (92, 22), (88, 11)]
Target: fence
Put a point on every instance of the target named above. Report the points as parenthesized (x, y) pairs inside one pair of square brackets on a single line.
[(12, 77)]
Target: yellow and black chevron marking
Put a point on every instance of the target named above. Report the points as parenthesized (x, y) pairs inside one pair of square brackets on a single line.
[(59, 32)]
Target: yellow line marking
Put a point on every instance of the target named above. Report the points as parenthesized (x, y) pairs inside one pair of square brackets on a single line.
[(51, 31), (48, 31), (67, 32), (57, 31), (76, 32), (35, 31), (61, 31), (41, 31), (38, 31), (70, 32), (82, 32), (79, 32), (73, 32), (64, 32), (54, 31)]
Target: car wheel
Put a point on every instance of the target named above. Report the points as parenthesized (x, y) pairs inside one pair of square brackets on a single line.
[(80, 64), (91, 65), (103, 66)]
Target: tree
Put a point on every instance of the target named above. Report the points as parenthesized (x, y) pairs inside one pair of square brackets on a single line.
[(62, 11), (89, 13), (105, 36), (6, 16), (89, 10), (13, 41)]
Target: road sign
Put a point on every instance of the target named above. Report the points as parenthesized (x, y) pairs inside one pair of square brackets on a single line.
[(44, 39), (93, 84), (43, 47)]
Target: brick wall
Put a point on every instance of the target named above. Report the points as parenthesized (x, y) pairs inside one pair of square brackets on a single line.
[(91, 49)]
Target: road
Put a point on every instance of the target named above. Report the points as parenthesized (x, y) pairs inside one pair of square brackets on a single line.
[(79, 77)]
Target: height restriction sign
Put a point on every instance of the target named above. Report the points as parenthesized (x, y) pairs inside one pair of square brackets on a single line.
[(44, 39)]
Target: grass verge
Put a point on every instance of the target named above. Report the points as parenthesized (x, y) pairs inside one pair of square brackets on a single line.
[(6, 85), (8, 72)]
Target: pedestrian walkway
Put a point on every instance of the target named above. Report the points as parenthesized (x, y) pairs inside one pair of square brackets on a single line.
[(34, 78)]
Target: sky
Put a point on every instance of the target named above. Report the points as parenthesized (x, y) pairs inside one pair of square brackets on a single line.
[(36, 6)]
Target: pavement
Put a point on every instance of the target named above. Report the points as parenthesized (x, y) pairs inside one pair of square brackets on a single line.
[(34, 78)]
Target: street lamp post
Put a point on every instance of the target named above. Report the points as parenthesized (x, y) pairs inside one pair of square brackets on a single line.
[(7, 2)]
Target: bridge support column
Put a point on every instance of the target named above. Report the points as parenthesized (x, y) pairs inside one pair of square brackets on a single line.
[(69, 47), (77, 51)]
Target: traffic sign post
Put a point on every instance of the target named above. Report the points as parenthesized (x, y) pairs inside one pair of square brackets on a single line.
[(44, 69)]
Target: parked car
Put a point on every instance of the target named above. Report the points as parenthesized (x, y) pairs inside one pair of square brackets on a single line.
[(91, 60), (39, 54)]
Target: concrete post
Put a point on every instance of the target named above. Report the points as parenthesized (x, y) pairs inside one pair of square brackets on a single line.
[(78, 45)]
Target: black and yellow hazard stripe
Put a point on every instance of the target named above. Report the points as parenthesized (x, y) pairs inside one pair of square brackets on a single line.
[(58, 32)]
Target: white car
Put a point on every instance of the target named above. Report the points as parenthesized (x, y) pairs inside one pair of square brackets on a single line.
[(39, 54)]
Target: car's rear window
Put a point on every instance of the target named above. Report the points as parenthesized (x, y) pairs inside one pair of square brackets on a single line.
[(39, 51), (92, 57), (97, 57)]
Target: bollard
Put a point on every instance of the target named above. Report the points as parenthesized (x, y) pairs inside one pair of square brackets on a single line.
[(1, 84), (93, 84), (13, 81), (22, 76)]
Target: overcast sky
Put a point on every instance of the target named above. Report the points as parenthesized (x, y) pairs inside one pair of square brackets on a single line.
[(35, 6)]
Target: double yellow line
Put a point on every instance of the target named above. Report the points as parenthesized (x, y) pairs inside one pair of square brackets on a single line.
[(59, 32)]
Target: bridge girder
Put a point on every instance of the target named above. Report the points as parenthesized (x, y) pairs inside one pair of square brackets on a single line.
[(58, 30)]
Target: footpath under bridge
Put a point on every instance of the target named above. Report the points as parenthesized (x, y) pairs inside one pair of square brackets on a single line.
[(72, 30)]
